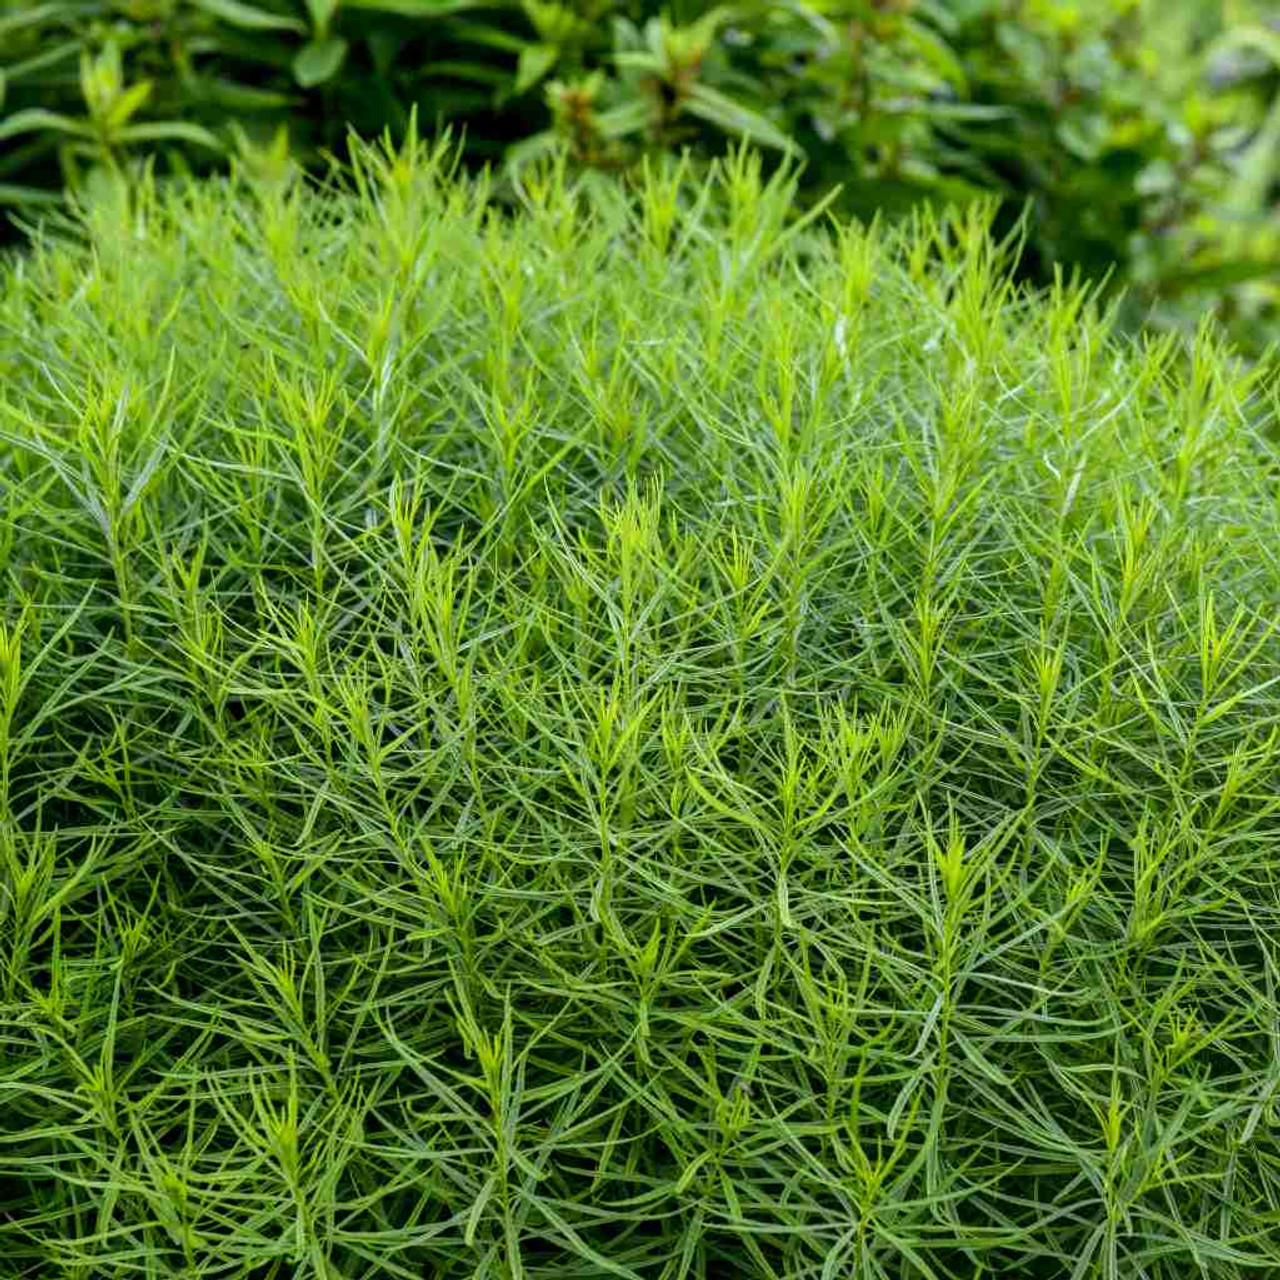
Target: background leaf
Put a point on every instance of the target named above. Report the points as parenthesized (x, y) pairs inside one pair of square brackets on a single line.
[(36, 119), (249, 17), (319, 61), (416, 8), (734, 118), (171, 131), (536, 60)]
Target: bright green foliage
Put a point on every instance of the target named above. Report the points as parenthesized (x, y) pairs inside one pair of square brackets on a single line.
[(1144, 133), (644, 739)]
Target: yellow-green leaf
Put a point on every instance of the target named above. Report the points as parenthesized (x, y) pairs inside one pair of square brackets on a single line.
[(535, 61), (128, 103)]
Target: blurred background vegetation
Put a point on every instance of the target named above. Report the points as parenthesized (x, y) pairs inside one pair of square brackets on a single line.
[(1141, 138)]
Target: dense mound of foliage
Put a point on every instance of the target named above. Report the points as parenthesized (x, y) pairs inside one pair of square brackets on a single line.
[(1143, 133), (640, 739)]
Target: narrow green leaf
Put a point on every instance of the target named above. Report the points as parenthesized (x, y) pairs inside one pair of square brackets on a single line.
[(474, 72), (491, 37), (244, 97), (321, 12), (626, 119), (30, 17), (170, 131), (965, 111), (935, 54), (476, 1212), (248, 17), (535, 61), (68, 51), (639, 60), (128, 103), (38, 120), (715, 108), (415, 8), (11, 193)]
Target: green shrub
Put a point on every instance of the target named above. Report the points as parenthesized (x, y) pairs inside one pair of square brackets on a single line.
[(643, 738), (1143, 133), (619, 78)]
